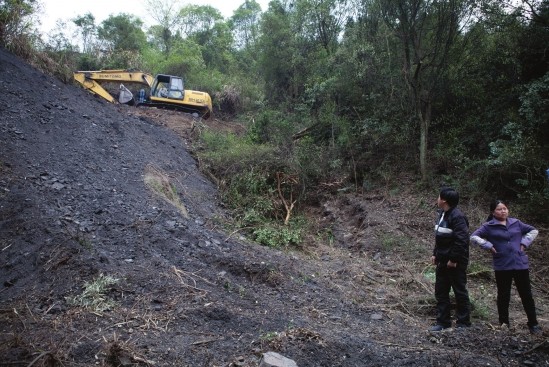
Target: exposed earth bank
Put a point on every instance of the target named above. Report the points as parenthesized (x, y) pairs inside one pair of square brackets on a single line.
[(81, 201)]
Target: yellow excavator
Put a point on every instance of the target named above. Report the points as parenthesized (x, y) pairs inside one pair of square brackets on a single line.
[(162, 91)]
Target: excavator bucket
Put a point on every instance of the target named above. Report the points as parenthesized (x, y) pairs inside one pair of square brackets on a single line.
[(124, 95)]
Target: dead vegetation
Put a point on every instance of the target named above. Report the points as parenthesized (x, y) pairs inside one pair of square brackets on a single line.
[(160, 183)]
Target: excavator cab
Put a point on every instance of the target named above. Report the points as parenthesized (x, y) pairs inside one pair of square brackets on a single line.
[(167, 91), (168, 86)]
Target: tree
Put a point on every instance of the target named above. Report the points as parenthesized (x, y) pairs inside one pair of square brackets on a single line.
[(122, 32), (427, 30), (193, 19), (58, 41), (245, 24), (321, 21), (216, 46), (166, 14), (16, 20), (88, 30), (277, 46), (205, 26)]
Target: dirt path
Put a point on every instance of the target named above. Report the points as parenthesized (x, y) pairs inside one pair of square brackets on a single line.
[(83, 201)]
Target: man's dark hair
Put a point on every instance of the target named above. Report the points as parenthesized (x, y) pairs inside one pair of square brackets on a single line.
[(450, 195)]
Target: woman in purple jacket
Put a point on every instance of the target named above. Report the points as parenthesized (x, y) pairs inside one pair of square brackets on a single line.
[(507, 239)]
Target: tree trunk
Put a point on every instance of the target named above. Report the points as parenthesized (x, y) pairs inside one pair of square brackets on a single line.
[(425, 121)]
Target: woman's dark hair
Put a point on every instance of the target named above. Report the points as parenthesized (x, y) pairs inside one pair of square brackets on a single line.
[(449, 195), (493, 205)]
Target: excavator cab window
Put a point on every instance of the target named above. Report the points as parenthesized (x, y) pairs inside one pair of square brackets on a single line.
[(167, 86)]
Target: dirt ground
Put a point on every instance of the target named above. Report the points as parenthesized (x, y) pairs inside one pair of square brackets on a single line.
[(81, 205)]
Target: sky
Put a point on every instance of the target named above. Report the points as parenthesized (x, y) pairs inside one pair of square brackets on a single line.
[(53, 10)]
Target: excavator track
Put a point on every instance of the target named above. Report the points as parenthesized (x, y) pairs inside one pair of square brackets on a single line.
[(203, 113)]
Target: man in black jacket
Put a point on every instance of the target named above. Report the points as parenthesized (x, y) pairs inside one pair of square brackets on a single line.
[(451, 257)]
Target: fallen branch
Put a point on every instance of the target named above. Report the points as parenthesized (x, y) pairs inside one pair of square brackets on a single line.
[(402, 346), (206, 341), (235, 231), (535, 347), (479, 272), (140, 359), (43, 354), (303, 132), (178, 273), (427, 289)]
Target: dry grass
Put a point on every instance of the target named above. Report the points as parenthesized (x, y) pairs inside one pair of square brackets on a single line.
[(159, 182)]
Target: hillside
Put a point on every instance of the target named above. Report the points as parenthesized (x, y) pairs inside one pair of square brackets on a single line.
[(81, 201)]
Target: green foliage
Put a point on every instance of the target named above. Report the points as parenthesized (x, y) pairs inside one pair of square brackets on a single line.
[(16, 26), (122, 32), (94, 296), (271, 126), (278, 50), (215, 45), (88, 32), (198, 19), (278, 236), (251, 191), (535, 109), (312, 161), (245, 24), (87, 62), (429, 274), (229, 154), (518, 157), (204, 25), (185, 59), (15, 19), (246, 173), (480, 309)]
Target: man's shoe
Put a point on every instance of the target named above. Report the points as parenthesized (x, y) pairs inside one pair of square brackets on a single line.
[(535, 330), (438, 327), (462, 326)]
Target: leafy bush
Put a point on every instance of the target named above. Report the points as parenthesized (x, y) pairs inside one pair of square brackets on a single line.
[(278, 236), (250, 190)]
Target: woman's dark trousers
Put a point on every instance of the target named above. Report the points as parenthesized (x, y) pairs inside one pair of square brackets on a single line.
[(504, 280)]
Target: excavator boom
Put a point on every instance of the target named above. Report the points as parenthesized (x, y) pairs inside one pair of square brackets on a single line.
[(92, 80), (164, 91)]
